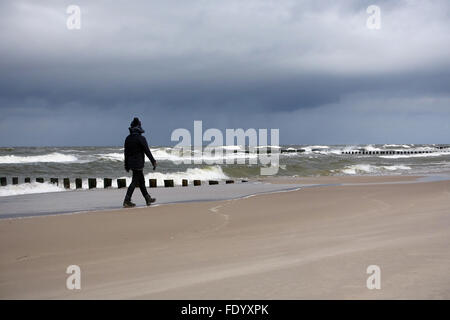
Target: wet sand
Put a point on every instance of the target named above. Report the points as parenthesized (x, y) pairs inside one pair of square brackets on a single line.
[(314, 243), (30, 205)]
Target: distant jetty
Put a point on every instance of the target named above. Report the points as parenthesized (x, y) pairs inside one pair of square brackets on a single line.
[(378, 151)]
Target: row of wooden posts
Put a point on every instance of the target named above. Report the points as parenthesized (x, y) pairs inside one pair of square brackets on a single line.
[(107, 182), (292, 150), (387, 152), (370, 152)]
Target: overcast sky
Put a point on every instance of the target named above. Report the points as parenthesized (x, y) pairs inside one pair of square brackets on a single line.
[(309, 68)]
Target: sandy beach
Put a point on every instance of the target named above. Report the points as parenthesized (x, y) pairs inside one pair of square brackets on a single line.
[(313, 243)]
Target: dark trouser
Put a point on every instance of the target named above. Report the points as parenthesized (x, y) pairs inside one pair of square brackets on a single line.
[(138, 180)]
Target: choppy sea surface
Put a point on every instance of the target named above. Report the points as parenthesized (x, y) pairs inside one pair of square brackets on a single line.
[(107, 162)]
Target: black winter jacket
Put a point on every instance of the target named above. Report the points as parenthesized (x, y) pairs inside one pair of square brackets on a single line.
[(136, 148)]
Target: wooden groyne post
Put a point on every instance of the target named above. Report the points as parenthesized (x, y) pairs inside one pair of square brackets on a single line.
[(168, 183), (107, 183), (92, 183), (152, 183), (121, 183), (66, 183)]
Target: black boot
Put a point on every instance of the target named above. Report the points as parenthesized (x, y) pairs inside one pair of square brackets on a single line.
[(149, 200), (128, 204)]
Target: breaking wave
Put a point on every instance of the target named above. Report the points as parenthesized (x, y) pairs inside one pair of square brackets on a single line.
[(52, 157), (161, 155), (28, 188), (368, 168), (419, 155)]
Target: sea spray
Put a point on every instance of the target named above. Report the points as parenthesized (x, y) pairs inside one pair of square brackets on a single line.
[(28, 188), (372, 169), (52, 157)]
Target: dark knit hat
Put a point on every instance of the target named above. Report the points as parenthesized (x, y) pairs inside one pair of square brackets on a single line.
[(135, 123)]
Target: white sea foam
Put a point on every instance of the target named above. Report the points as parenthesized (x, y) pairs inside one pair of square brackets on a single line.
[(114, 156), (405, 146), (176, 155), (335, 151), (52, 157), (27, 188), (317, 149), (419, 155), (368, 168), (395, 168), (370, 147), (208, 173), (357, 168)]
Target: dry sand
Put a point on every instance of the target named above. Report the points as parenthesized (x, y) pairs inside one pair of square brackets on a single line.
[(315, 243)]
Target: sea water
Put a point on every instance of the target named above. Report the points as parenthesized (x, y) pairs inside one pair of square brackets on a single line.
[(107, 162)]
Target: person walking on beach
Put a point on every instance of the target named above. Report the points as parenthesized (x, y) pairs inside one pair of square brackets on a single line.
[(136, 148)]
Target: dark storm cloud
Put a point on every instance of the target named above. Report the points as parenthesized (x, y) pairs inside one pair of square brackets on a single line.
[(230, 63)]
